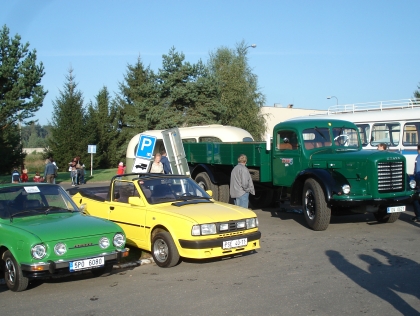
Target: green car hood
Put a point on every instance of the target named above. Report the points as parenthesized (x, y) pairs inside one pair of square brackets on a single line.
[(61, 226)]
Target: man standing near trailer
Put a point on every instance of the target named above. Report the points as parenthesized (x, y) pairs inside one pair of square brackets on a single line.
[(241, 183)]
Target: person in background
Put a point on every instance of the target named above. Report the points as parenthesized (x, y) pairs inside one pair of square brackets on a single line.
[(382, 146), (24, 175), (73, 174), (165, 162), (50, 170), (15, 175), (157, 166), (416, 202), (241, 184), (38, 178), (120, 170), (82, 174)]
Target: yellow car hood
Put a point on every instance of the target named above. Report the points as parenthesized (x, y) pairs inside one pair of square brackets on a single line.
[(209, 212)]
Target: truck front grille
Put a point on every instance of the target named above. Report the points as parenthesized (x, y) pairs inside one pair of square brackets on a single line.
[(390, 176)]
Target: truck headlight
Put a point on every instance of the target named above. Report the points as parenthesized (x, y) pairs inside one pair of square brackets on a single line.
[(38, 251), (203, 229), (346, 189), (119, 240), (60, 249), (104, 243), (413, 184), (251, 223)]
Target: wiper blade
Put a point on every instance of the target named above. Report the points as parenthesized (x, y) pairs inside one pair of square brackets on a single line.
[(47, 209), (192, 197), (322, 135)]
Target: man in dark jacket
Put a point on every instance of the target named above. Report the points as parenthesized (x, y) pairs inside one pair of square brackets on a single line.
[(165, 162), (241, 184)]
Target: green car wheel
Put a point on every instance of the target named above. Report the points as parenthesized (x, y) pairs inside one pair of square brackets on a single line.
[(13, 275)]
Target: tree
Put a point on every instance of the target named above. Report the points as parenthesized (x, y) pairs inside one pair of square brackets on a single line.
[(101, 130), (238, 90), (68, 134), (21, 94)]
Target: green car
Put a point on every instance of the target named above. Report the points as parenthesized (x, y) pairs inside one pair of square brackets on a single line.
[(43, 234)]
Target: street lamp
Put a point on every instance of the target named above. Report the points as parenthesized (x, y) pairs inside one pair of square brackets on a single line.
[(333, 97), (250, 46)]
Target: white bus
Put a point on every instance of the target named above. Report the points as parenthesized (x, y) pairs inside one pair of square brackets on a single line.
[(395, 122), (193, 134)]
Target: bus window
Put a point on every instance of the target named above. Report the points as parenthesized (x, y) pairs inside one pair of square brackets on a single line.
[(209, 139), (411, 132), (388, 133), (364, 130)]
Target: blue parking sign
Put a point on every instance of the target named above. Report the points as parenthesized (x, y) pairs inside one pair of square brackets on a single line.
[(146, 146)]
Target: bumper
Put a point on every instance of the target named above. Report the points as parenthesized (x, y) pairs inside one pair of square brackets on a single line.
[(60, 267), (396, 201), (210, 248)]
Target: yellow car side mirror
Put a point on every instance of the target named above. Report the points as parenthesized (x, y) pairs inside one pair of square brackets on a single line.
[(135, 200), (209, 192)]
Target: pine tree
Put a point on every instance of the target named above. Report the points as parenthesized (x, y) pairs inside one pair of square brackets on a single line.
[(68, 134), (238, 90)]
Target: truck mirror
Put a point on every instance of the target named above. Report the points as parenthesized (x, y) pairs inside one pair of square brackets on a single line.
[(135, 200)]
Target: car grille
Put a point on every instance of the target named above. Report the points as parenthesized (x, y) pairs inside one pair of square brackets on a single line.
[(232, 227), (390, 176)]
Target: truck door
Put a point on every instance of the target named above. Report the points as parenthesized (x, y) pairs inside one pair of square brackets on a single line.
[(131, 218), (286, 157)]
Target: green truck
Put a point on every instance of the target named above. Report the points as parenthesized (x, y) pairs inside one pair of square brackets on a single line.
[(318, 164)]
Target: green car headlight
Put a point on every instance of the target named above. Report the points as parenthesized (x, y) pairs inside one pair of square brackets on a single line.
[(39, 251), (104, 243), (60, 249), (119, 240)]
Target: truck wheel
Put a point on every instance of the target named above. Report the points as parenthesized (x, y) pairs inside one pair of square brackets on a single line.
[(383, 217), (205, 183), (13, 275), (316, 210), (262, 198), (224, 194), (164, 250)]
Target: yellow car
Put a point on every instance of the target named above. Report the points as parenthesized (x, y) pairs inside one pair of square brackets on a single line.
[(172, 217)]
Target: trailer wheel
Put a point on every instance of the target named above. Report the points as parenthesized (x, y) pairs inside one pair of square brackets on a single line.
[(316, 210), (224, 194), (262, 198), (203, 180), (383, 217)]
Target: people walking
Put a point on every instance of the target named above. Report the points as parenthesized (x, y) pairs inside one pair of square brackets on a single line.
[(157, 166), (165, 162), (50, 171), (241, 184)]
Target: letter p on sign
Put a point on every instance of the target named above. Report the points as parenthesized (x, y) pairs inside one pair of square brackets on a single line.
[(146, 146)]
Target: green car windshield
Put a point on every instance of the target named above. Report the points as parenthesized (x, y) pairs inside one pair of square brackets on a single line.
[(30, 200)]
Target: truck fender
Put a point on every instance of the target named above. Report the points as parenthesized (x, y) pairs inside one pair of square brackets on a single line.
[(196, 169), (331, 183)]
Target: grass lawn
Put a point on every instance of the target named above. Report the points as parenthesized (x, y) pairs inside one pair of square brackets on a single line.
[(99, 175)]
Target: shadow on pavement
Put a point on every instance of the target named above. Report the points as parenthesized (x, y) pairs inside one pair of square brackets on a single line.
[(400, 275)]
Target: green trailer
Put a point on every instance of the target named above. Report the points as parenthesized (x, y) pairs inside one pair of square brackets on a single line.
[(317, 163)]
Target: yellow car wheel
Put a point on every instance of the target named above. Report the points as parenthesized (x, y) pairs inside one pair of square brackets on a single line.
[(164, 251)]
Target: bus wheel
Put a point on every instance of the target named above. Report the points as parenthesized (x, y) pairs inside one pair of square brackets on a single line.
[(315, 208), (383, 217), (205, 183)]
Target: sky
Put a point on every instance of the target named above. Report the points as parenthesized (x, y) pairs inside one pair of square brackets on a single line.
[(357, 51)]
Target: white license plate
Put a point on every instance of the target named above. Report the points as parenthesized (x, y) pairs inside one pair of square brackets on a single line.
[(86, 264), (235, 243), (395, 209)]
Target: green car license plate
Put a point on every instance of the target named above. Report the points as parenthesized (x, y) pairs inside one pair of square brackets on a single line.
[(86, 264)]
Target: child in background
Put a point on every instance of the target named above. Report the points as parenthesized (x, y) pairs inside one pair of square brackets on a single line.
[(38, 177), (15, 175), (73, 176), (24, 175), (121, 169)]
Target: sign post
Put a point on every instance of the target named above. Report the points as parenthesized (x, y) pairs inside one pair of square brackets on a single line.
[(91, 151)]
